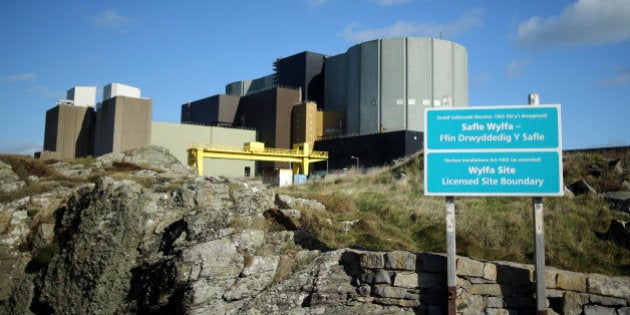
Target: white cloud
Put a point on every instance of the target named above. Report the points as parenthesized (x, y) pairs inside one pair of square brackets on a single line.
[(585, 22), (112, 20), (480, 79), (93, 59), (19, 77), (390, 2), (47, 92), (620, 78), (471, 19), (516, 66), (316, 3)]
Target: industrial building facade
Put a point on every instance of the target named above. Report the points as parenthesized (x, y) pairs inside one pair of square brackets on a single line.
[(375, 87), (382, 85), (377, 90), (216, 110), (385, 84)]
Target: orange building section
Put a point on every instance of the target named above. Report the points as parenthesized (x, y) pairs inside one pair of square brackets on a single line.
[(309, 125)]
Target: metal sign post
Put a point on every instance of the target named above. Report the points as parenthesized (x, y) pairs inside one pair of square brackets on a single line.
[(539, 240), (451, 256), (539, 253), (494, 151)]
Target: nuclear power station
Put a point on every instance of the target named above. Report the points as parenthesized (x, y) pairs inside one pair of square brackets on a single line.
[(366, 104)]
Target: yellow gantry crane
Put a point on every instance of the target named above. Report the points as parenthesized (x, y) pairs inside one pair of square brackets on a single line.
[(300, 156)]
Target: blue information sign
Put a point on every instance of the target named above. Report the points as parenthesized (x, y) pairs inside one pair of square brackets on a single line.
[(493, 151)]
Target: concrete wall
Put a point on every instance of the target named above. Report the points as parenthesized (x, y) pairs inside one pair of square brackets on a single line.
[(178, 137), (336, 83), (269, 112), (214, 110), (245, 87), (388, 82), (122, 123), (331, 123), (69, 131), (304, 70), (373, 150)]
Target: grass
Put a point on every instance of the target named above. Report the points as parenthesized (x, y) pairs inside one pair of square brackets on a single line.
[(392, 213)]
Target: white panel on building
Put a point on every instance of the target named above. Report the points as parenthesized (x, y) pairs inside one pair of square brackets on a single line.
[(82, 95), (118, 89)]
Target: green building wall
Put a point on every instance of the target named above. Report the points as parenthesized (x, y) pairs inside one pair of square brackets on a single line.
[(178, 137)]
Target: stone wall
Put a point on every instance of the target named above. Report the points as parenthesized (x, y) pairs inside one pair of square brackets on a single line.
[(419, 280)]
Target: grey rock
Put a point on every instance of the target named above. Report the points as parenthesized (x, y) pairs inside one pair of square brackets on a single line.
[(619, 200), (616, 166), (470, 267), (72, 169), (254, 278), (571, 281), (400, 260), (573, 302), (581, 187), (613, 287), (619, 232), (292, 213), (607, 301), (371, 260), (288, 202), (598, 310), (406, 280), (9, 181)]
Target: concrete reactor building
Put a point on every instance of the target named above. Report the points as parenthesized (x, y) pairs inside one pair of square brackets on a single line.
[(385, 84)]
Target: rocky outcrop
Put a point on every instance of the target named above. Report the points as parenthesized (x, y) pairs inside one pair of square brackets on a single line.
[(8, 179), (618, 200), (581, 187), (160, 239), (619, 231)]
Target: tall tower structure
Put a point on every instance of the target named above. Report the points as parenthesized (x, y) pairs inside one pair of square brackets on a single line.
[(69, 126), (123, 120)]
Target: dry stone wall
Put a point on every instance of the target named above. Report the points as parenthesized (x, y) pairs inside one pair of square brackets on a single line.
[(418, 280)]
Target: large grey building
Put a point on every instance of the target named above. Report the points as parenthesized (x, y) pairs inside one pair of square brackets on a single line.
[(385, 84)]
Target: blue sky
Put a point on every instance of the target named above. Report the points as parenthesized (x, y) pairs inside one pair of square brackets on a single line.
[(575, 53)]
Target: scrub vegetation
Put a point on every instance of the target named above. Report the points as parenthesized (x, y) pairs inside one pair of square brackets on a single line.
[(387, 210)]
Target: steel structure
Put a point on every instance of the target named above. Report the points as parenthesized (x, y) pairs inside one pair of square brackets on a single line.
[(300, 156)]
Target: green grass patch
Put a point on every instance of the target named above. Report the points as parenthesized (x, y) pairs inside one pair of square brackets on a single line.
[(393, 213)]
